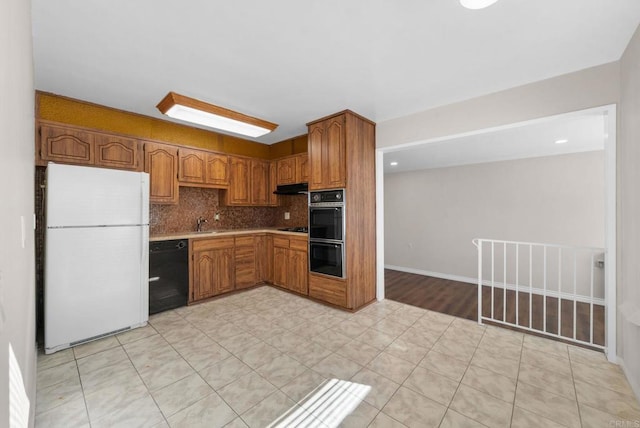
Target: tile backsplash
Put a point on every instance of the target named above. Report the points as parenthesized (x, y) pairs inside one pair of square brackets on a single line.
[(195, 202)]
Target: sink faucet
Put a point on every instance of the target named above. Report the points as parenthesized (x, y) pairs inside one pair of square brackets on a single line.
[(201, 220)]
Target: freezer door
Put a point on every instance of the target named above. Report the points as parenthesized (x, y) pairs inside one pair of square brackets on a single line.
[(96, 282), (84, 196)]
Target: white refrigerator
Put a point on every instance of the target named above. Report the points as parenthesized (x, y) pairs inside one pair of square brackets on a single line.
[(96, 254)]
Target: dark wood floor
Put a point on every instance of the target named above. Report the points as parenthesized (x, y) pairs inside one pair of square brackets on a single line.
[(460, 299)]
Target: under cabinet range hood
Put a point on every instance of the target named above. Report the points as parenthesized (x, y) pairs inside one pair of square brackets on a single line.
[(292, 189)]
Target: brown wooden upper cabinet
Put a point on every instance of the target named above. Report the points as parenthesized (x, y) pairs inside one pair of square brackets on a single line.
[(203, 169), (293, 169), (239, 192), (327, 153), (250, 183), (259, 182), (161, 162), (273, 183), (66, 145), (81, 147), (117, 152)]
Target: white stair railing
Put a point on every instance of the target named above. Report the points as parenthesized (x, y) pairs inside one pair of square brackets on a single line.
[(547, 279)]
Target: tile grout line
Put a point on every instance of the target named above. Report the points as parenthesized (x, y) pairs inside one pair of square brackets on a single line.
[(515, 392), (575, 389), (462, 378)]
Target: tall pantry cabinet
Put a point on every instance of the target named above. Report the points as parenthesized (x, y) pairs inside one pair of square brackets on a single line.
[(342, 155)]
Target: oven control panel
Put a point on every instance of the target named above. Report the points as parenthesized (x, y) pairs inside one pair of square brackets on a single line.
[(325, 196)]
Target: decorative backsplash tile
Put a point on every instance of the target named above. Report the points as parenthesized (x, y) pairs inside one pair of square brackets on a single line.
[(199, 202)]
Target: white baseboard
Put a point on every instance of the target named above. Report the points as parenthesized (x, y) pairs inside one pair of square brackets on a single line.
[(474, 281), (635, 386)]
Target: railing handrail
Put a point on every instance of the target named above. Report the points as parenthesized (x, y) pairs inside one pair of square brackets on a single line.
[(478, 241)]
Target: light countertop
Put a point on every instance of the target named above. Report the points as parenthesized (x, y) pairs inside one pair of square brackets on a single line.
[(216, 233)]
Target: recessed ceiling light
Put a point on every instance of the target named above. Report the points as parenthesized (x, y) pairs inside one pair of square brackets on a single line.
[(477, 4), (393, 163), (562, 141)]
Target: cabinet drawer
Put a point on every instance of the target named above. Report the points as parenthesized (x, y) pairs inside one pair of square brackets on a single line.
[(280, 242), (244, 241), (211, 244), (328, 289), (298, 244)]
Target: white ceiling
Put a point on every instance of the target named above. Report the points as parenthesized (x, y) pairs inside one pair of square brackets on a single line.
[(585, 131), (292, 61)]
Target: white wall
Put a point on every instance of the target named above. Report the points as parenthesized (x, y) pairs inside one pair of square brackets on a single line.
[(629, 211), (431, 216), (17, 295)]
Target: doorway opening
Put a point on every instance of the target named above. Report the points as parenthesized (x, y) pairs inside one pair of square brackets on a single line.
[(425, 226)]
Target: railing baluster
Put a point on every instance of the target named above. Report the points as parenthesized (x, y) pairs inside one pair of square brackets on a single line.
[(493, 268), (575, 292), (517, 281), (480, 281), (559, 291), (504, 290), (591, 301), (544, 288), (530, 285)]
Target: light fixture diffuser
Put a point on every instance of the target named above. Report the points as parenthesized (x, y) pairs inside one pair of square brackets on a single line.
[(477, 4), (195, 111)]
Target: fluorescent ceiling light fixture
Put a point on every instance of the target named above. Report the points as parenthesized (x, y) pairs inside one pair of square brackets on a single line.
[(394, 164), (195, 111), (477, 4), (564, 140)]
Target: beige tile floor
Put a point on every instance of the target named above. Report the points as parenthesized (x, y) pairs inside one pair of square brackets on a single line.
[(247, 359)]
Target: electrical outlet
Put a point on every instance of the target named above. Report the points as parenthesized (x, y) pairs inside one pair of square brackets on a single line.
[(216, 217), (287, 216)]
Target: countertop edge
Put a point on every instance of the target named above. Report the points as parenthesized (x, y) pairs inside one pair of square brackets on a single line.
[(214, 234)]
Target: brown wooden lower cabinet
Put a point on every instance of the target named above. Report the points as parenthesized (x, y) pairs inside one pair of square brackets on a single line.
[(212, 267), (223, 264), (290, 265), (245, 259), (331, 290)]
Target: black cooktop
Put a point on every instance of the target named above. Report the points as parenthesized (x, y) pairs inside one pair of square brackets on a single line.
[(295, 229)]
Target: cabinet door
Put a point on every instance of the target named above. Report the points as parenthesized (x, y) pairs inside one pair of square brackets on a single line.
[(302, 168), (259, 182), (261, 257), (192, 166), (298, 271), (225, 272), (287, 171), (273, 182), (217, 169), (117, 152), (281, 266), (334, 164), (239, 192), (161, 162), (269, 259), (316, 156), (204, 275), (64, 145)]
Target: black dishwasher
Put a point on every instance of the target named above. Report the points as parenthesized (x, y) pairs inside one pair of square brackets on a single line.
[(168, 275)]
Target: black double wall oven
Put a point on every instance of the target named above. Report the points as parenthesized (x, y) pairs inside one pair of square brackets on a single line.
[(327, 232)]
